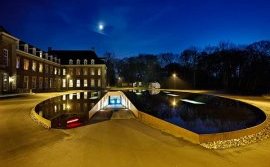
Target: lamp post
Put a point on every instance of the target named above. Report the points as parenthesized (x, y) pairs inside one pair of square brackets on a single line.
[(174, 77)]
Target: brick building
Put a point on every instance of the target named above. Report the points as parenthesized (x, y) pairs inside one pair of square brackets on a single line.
[(25, 68)]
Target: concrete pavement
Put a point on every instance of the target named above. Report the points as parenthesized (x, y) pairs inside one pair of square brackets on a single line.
[(118, 143)]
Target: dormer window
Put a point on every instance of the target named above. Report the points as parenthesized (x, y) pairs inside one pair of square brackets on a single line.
[(51, 57), (92, 61), (85, 62), (26, 48), (46, 56), (34, 51), (78, 61), (40, 54), (70, 61)]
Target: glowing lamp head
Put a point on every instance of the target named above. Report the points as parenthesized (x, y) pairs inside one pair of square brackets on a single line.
[(174, 75), (174, 103)]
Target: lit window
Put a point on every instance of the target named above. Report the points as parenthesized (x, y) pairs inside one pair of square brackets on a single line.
[(25, 64), (55, 71), (85, 82), (70, 61), (78, 83), (78, 61), (64, 71), (64, 82), (40, 67), (70, 84), (78, 71), (85, 62), (92, 83), (85, 71), (99, 71), (71, 71), (40, 54), (34, 65), (51, 82), (99, 83), (17, 62), (5, 57), (92, 71), (92, 61), (59, 71)]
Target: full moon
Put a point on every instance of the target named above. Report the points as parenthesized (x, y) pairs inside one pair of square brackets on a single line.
[(100, 27)]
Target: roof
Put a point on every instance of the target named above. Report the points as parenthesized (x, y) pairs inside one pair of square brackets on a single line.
[(66, 55)]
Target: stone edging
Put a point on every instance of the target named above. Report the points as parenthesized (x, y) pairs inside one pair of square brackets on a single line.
[(40, 120)]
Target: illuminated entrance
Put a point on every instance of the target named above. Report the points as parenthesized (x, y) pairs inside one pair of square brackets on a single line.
[(115, 100)]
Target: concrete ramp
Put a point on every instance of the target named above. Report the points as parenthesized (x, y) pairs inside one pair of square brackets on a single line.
[(122, 114)]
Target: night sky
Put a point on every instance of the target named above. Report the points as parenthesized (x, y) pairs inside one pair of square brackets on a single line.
[(131, 27)]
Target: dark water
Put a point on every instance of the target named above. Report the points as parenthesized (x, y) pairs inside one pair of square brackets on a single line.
[(72, 110), (201, 114)]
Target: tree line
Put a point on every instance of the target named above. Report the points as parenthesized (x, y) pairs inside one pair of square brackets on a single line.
[(227, 67)]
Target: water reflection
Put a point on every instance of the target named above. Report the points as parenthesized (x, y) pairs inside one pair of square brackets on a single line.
[(199, 113), (63, 109)]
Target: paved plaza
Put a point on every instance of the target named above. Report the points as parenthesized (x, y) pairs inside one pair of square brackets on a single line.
[(118, 142)]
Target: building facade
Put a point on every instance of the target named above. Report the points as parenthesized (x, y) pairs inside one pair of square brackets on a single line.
[(25, 68)]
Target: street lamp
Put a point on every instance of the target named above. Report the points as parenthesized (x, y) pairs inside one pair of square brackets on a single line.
[(174, 75)]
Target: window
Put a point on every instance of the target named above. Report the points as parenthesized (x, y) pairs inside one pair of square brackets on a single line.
[(46, 69), (85, 71), (85, 82), (78, 71), (34, 65), (51, 82), (40, 54), (25, 64), (70, 61), (5, 57), (99, 71), (40, 67), (55, 71), (17, 62), (92, 83), (40, 82), (92, 61), (78, 61), (59, 71), (70, 84), (78, 83), (64, 71), (26, 48), (51, 69), (46, 83), (64, 83), (99, 83), (25, 82), (85, 62), (34, 51), (92, 71), (34, 82), (71, 71)]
